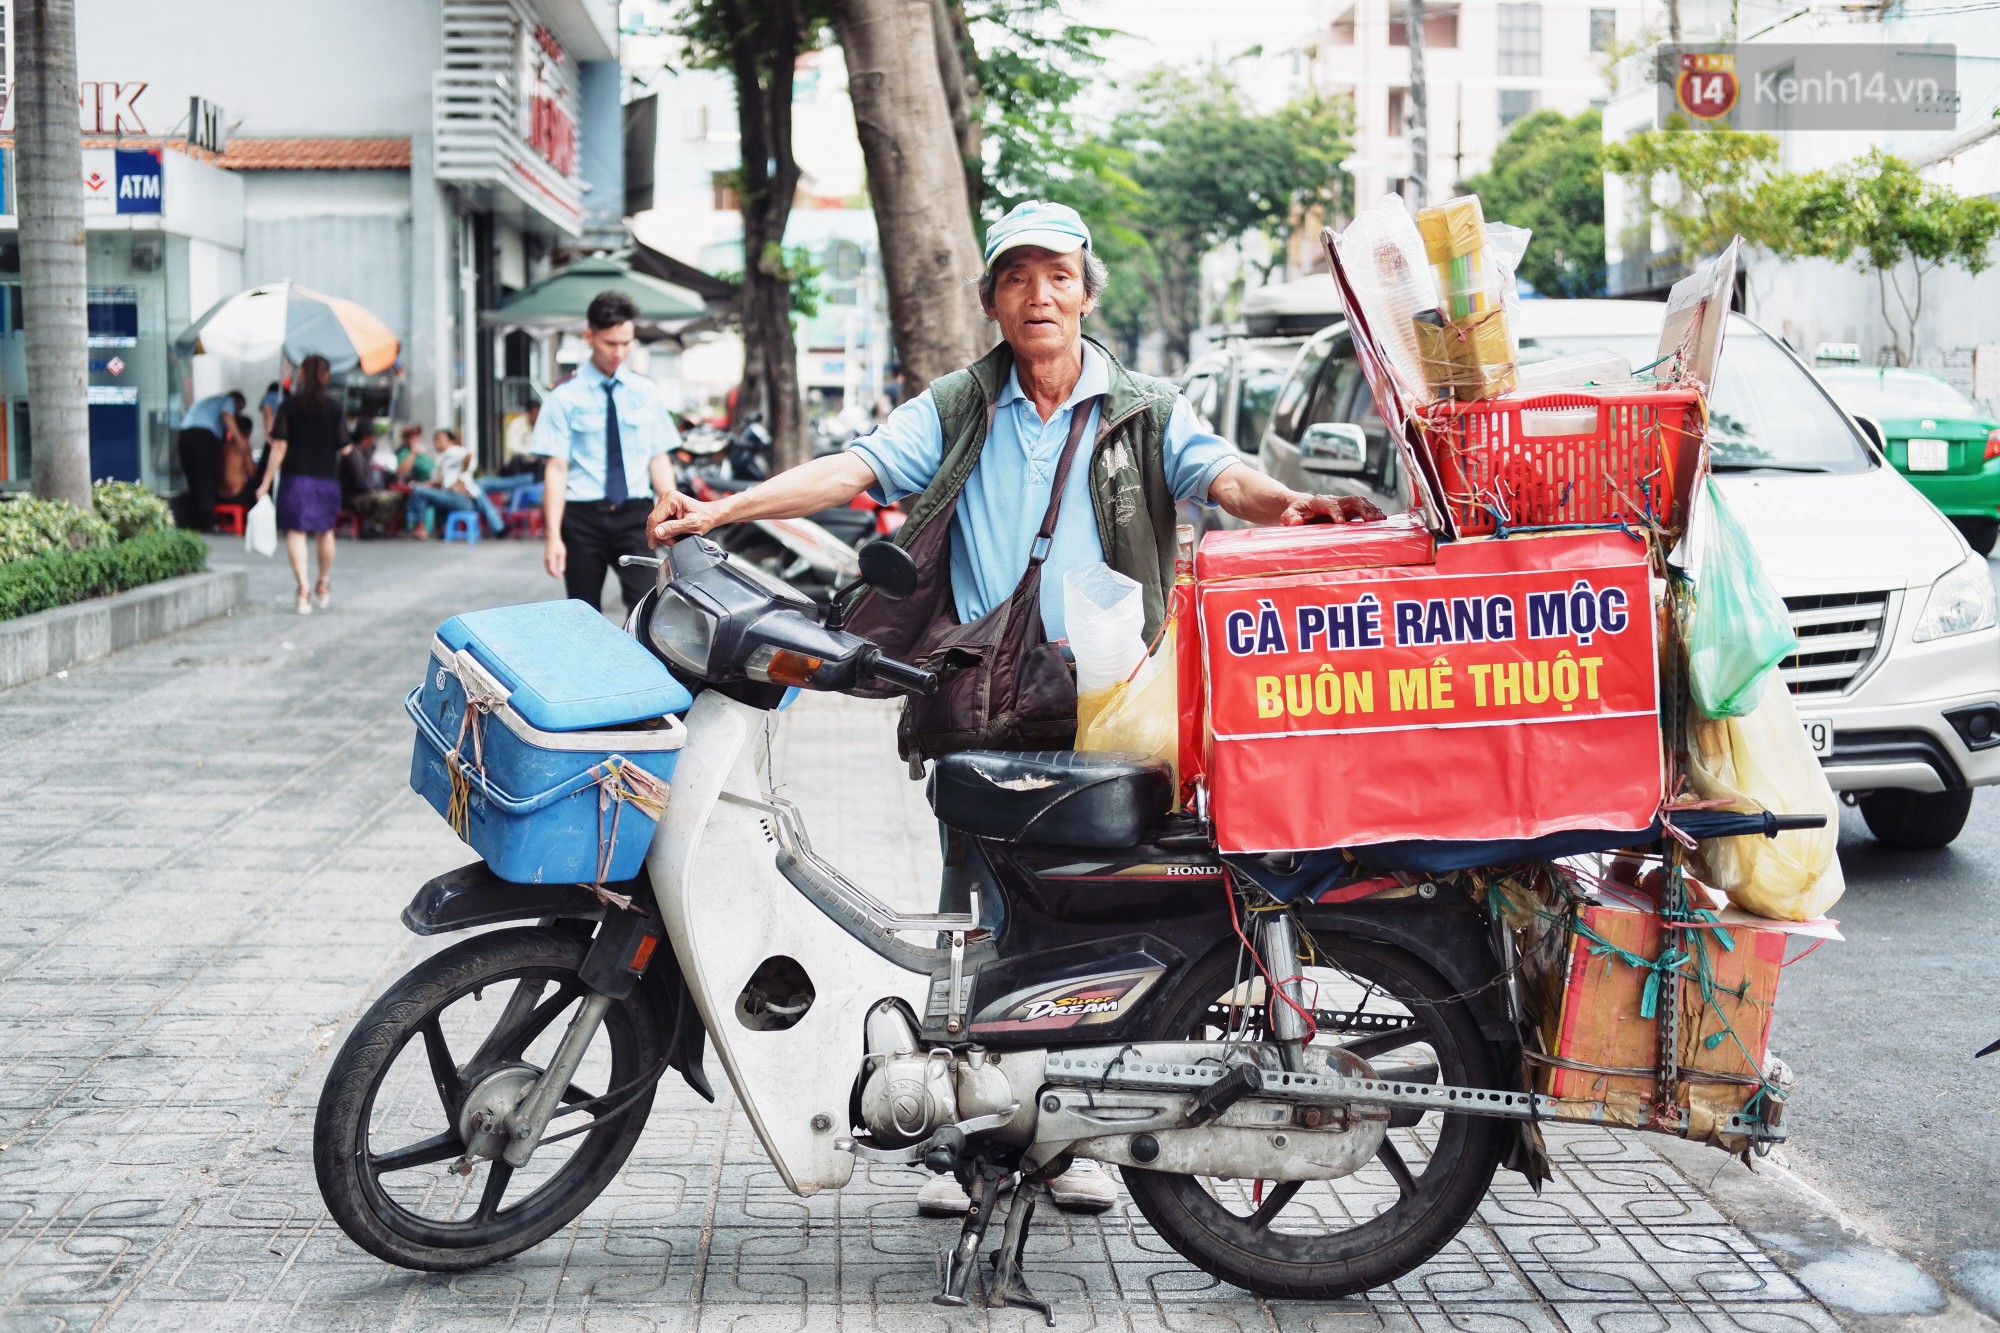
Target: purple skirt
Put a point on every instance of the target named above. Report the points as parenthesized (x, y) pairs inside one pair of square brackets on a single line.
[(308, 504)]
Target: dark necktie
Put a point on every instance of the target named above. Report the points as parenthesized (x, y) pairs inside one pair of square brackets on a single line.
[(614, 454)]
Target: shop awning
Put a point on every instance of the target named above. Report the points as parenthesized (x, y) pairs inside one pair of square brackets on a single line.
[(560, 300)]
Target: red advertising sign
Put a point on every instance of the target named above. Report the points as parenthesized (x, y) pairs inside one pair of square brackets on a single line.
[(1508, 691)]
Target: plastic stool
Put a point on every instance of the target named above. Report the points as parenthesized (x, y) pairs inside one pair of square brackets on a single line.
[(462, 525), (229, 519), (349, 522)]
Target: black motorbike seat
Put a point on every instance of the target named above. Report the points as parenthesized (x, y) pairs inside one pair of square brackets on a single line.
[(1075, 798)]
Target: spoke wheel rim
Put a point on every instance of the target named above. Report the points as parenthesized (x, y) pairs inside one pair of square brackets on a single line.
[(494, 1216), (1418, 1167)]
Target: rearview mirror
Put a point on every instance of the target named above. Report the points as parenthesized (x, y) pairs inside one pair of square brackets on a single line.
[(888, 569), (1334, 446)]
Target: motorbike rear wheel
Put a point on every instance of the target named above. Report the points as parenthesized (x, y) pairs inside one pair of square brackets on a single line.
[(1325, 1239), (392, 1115)]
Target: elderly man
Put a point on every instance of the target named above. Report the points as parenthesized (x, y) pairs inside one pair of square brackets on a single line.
[(991, 437)]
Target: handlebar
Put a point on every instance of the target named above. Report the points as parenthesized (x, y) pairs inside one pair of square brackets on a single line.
[(899, 675)]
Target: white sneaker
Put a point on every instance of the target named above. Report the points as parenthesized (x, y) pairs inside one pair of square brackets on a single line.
[(1085, 1188), (943, 1196)]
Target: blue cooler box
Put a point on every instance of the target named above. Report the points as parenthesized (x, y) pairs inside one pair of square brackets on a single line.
[(567, 706)]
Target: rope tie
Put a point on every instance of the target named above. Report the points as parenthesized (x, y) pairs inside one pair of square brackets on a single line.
[(621, 783), (458, 811)]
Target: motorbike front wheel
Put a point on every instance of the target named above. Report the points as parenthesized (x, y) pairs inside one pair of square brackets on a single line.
[(463, 1035), (1325, 1239)]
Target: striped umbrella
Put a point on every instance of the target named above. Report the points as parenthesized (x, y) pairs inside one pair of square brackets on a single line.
[(284, 317)]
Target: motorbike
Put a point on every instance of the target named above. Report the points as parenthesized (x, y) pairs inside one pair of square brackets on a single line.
[(1306, 1078)]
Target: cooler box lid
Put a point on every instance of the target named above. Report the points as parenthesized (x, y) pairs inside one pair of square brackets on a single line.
[(569, 669)]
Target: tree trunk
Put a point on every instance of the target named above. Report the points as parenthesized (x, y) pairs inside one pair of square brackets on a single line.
[(49, 153), (915, 178), (962, 94), (764, 45), (1674, 21), (1420, 112)]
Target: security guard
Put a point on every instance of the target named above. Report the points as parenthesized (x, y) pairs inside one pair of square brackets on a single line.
[(606, 435)]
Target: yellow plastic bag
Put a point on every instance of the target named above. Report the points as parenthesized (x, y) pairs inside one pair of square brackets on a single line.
[(1137, 716), (1762, 761)]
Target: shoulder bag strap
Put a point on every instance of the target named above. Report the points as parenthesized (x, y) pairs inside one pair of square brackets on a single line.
[(1045, 537)]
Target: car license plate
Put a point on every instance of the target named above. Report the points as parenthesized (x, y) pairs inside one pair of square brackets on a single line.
[(1819, 734), (1930, 455)]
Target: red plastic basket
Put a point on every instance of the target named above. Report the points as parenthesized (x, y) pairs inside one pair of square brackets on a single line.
[(1496, 468)]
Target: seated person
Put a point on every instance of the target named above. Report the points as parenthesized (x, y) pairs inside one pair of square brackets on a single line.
[(242, 471), (455, 489), (415, 466)]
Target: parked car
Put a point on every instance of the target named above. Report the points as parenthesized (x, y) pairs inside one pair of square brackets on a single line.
[(1898, 674), (1233, 384), (1934, 435)]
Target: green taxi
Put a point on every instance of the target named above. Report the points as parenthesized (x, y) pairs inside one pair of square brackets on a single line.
[(1934, 435)]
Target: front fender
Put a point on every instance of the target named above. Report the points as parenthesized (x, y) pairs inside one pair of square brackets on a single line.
[(474, 896)]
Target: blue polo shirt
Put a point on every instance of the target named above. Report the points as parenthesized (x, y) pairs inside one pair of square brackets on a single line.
[(208, 414), (572, 427), (1008, 492)]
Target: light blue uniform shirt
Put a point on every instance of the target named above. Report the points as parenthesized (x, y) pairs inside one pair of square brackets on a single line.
[(208, 414), (1004, 499), (572, 427)]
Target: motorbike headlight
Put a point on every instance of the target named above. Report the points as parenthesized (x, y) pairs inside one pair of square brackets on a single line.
[(1960, 602), (683, 632)]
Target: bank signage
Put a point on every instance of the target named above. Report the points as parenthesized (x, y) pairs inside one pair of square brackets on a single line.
[(123, 180)]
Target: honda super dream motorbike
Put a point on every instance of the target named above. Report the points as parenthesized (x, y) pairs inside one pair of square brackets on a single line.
[(1306, 1079)]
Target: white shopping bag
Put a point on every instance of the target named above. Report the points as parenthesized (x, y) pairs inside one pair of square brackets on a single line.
[(260, 528)]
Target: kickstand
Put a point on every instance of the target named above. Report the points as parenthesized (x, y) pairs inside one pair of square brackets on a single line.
[(983, 1189), (1009, 1286)]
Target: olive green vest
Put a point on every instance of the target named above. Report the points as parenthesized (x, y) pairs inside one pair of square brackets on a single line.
[(1129, 493)]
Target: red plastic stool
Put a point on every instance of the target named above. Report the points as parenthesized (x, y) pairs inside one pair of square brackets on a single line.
[(349, 522), (229, 519)]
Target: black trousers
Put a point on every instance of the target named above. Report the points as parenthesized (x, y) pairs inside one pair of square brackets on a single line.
[(596, 534), (201, 465)]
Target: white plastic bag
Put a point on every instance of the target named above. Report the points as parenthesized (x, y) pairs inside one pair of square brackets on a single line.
[(1104, 616), (1762, 761), (260, 527)]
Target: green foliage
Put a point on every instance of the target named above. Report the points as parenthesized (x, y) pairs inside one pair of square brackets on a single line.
[(1032, 63), (60, 577), (1548, 176), (1708, 185), (795, 265), (29, 526), (1877, 213), (130, 509), (1198, 166)]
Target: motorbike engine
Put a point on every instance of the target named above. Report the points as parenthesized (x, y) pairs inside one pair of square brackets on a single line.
[(911, 1093)]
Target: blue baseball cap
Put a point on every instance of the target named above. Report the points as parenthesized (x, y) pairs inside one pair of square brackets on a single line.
[(1056, 227)]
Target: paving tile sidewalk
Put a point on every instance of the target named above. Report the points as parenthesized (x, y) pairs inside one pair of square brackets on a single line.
[(206, 844)]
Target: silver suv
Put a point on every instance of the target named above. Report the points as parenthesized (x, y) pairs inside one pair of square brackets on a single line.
[(1898, 675)]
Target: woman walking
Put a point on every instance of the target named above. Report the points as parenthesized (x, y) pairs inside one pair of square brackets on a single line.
[(306, 439)]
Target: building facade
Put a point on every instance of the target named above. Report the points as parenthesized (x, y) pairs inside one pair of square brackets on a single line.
[(421, 157), (1815, 301), (1487, 63)]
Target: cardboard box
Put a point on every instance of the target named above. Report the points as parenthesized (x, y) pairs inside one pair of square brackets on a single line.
[(1600, 1019)]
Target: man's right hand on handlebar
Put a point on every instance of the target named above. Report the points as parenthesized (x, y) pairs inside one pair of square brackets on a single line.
[(676, 515)]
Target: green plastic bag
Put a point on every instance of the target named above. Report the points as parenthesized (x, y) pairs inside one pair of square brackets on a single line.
[(1740, 628)]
